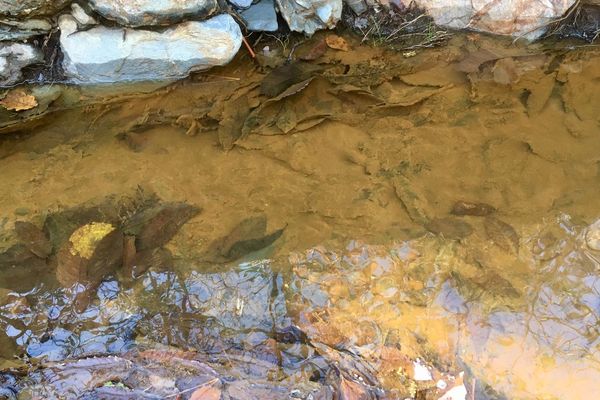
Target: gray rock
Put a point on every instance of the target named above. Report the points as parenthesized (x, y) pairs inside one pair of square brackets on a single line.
[(23, 8), (15, 30), (358, 6), (104, 54), (82, 17), (151, 12), (13, 57), (310, 16), (243, 4), (261, 17)]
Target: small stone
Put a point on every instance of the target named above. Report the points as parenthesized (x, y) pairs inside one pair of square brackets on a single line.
[(82, 17), (592, 236), (358, 6), (261, 17), (22, 211), (421, 372)]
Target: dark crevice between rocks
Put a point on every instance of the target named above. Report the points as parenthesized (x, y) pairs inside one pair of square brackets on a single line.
[(399, 27), (581, 22), (51, 70)]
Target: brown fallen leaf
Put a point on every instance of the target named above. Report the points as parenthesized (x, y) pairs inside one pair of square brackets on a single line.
[(33, 238), (502, 234), (350, 390), (317, 50), (206, 393), (337, 43), (18, 100), (462, 208)]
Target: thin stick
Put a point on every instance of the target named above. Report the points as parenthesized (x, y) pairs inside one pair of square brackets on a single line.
[(252, 53)]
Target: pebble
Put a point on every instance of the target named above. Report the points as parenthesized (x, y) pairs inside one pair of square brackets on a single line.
[(592, 236)]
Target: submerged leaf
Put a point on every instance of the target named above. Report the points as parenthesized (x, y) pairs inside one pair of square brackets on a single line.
[(350, 390), (156, 226), (280, 79), (18, 100), (248, 236), (502, 234), (33, 238), (337, 43), (473, 209), (206, 393)]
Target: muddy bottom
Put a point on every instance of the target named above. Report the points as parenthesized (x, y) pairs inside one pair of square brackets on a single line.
[(335, 224)]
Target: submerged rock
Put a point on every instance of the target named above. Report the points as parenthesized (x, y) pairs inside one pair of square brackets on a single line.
[(520, 18), (13, 57), (261, 17), (104, 54), (151, 12), (309, 17)]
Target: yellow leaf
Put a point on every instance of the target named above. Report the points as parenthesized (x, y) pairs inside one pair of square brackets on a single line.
[(18, 100), (337, 43)]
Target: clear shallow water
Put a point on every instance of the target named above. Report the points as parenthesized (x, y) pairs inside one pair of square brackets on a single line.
[(372, 259)]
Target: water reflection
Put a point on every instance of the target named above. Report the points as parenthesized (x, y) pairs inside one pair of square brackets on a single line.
[(388, 305)]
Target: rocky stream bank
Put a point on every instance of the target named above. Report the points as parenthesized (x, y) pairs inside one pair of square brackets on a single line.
[(103, 41)]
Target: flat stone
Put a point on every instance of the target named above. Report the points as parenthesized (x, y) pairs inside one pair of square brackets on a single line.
[(13, 57), (152, 12), (15, 30), (261, 17), (309, 17), (103, 55), (27, 8), (243, 4)]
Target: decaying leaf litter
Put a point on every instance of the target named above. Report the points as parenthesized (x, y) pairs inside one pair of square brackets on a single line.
[(372, 145)]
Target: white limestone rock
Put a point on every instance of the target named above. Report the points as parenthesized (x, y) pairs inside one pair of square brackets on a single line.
[(104, 54)]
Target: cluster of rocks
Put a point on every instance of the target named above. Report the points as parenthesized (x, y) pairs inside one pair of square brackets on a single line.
[(128, 40)]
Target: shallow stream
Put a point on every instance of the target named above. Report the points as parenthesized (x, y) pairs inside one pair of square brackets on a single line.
[(370, 224)]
